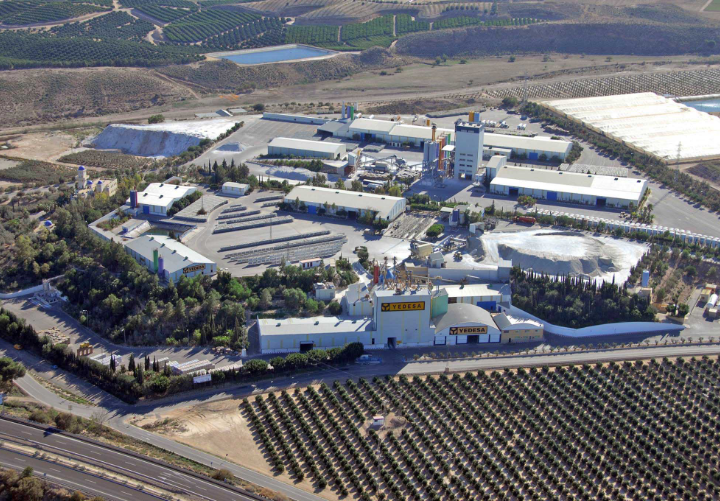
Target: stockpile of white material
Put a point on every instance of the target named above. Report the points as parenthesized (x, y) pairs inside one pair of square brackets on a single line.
[(159, 140), (285, 172), (565, 252)]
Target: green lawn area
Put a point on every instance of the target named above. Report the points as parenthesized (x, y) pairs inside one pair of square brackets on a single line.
[(714, 6)]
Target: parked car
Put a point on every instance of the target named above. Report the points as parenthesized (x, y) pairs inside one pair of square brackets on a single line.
[(368, 360)]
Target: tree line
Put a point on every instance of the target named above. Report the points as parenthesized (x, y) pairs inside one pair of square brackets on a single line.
[(574, 302)]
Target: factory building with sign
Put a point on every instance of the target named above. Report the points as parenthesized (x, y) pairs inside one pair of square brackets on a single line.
[(399, 316), (168, 258)]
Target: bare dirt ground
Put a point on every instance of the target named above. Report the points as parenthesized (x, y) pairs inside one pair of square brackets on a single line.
[(208, 427), (46, 146), (179, 100)]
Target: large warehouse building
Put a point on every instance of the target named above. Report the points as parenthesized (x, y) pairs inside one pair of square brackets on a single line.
[(588, 189), (398, 134), (286, 146), (398, 316), (157, 198), (648, 122), (169, 258), (356, 204)]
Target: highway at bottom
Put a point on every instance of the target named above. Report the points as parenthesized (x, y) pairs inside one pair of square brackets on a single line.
[(96, 454)]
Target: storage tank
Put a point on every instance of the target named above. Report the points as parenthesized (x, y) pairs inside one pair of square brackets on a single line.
[(712, 301), (646, 278), (133, 199), (156, 254), (161, 267)]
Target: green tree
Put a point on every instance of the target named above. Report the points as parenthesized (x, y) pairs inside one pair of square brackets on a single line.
[(9, 369), (256, 366), (156, 119)]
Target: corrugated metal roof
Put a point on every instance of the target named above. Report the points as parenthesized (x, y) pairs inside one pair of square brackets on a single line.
[(476, 289), (241, 186), (334, 127), (372, 125), (383, 204), (570, 182), (313, 325), (538, 143), (175, 255), (504, 321), (305, 144)]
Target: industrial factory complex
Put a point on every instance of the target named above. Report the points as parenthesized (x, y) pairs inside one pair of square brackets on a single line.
[(444, 287), (394, 314)]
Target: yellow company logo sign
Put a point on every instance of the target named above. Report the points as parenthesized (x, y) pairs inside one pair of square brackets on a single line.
[(195, 267), (414, 306), (461, 331)]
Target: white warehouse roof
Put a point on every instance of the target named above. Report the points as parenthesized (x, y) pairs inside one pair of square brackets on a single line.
[(163, 194), (312, 325), (176, 256), (538, 143), (305, 144), (373, 125), (240, 186), (649, 122), (383, 204), (622, 188)]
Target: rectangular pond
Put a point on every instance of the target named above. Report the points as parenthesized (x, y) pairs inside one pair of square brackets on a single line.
[(273, 54), (707, 105)]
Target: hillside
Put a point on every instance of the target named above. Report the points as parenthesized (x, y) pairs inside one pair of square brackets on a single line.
[(226, 76), (34, 96), (649, 39)]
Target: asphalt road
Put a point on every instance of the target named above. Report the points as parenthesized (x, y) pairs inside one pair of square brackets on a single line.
[(72, 479), (116, 415), (101, 456)]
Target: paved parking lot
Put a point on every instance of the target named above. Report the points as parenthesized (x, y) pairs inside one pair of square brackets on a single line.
[(209, 244)]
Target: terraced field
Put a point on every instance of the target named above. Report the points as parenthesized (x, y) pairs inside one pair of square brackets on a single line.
[(13, 13), (201, 25)]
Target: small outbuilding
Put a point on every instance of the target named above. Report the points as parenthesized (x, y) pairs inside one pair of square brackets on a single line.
[(234, 189)]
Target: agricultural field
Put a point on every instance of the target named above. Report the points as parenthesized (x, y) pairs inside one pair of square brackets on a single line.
[(636, 430), (248, 32), (37, 172), (164, 14), (380, 26), (114, 25), (16, 13), (201, 25), (107, 160), (714, 6), (404, 24), (22, 49), (459, 22), (180, 4), (313, 35), (678, 83)]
